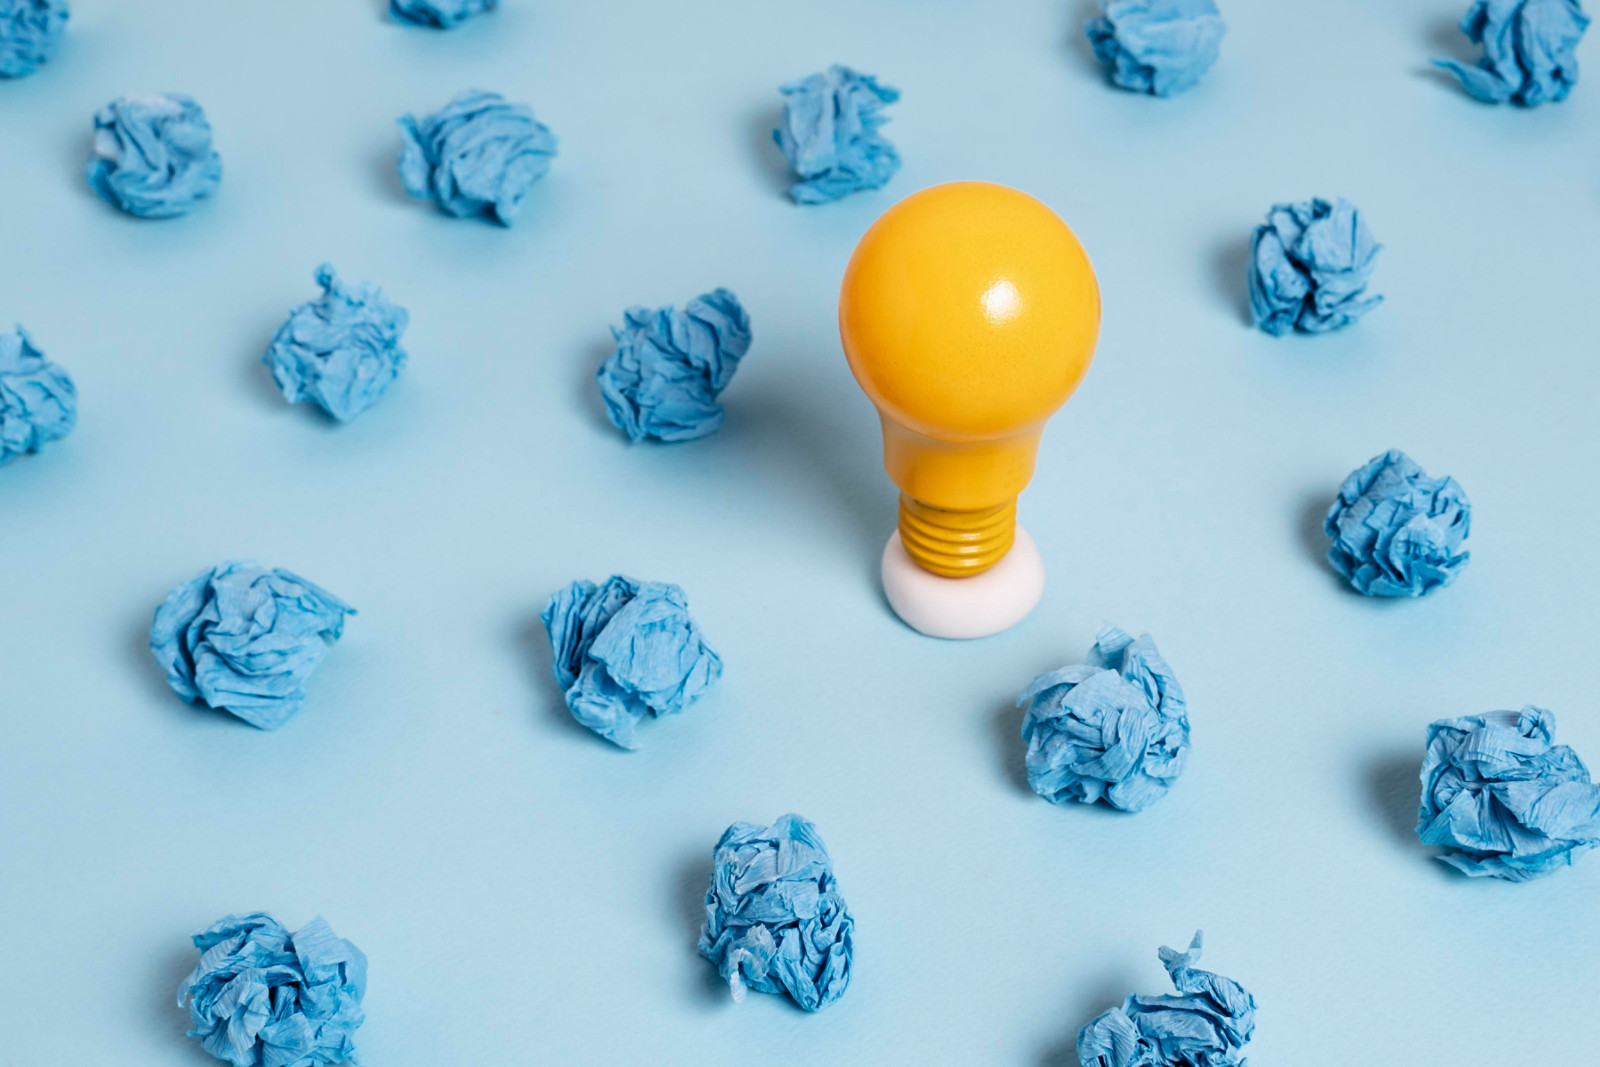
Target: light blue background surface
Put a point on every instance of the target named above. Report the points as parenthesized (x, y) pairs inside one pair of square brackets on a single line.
[(527, 893)]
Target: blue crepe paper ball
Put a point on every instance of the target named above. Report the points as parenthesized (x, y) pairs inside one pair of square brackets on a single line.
[(1309, 267), (1158, 47), (1117, 731), (478, 155), (244, 640), (775, 921), (1502, 799), (1530, 50), (262, 997), (1397, 532), (30, 33), (438, 14), (627, 650), (669, 367), (340, 351), (830, 134), (153, 156), (38, 402), (1207, 1025)]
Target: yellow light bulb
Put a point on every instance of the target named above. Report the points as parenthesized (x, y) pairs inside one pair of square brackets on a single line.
[(969, 313)]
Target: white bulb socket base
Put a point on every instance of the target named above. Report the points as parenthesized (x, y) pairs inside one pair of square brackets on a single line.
[(964, 608)]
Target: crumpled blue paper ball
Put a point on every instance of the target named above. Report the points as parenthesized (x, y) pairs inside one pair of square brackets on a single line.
[(341, 350), (775, 921), (1529, 50), (30, 32), (262, 997), (669, 366), (1502, 799), (478, 155), (1159, 47), (439, 14), (38, 402), (153, 156), (244, 639), (1309, 267), (830, 134), (1208, 1025), (626, 650), (1116, 731), (1396, 531)]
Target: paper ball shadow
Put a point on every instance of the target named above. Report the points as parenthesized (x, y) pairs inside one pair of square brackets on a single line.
[(77, 163), (79, 150), (1314, 541), (1230, 271), (1006, 723), (1446, 41), (1111, 989), (1309, 518), (264, 392), (532, 645), (486, 26), (1078, 39), (689, 913), (767, 159), (1394, 791), (589, 399), (1012, 752), (153, 677), (163, 993), (386, 169)]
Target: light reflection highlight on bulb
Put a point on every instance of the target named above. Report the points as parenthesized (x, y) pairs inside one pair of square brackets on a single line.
[(1001, 301)]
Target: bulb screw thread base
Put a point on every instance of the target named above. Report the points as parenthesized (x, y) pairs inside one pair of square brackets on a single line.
[(957, 544)]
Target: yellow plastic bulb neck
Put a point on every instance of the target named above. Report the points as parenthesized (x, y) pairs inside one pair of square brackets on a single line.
[(956, 544)]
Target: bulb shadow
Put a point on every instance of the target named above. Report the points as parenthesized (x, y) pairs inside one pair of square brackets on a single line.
[(823, 455), (824, 451), (1230, 269), (766, 158)]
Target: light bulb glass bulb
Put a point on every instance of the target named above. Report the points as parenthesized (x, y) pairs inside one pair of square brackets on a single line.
[(969, 314)]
